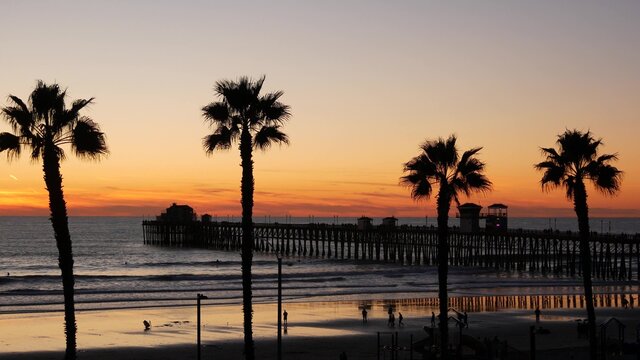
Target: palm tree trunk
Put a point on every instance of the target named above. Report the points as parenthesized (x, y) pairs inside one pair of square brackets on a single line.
[(443, 269), (60, 223), (247, 187), (582, 211)]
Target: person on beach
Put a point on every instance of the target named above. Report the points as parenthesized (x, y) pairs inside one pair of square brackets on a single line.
[(624, 302), (400, 318), (433, 319), (537, 312), (285, 314), (392, 320), (364, 315), (466, 319)]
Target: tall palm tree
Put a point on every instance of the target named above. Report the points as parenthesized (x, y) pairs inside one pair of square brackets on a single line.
[(575, 161), (43, 126), (243, 115), (439, 163)]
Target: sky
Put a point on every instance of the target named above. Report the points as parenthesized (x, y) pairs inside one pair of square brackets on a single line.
[(367, 82)]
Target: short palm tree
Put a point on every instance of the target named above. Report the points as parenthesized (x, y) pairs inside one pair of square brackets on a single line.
[(439, 163), (575, 161), (43, 126), (243, 115)]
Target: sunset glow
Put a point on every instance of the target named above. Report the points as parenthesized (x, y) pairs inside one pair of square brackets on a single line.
[(367, 82)]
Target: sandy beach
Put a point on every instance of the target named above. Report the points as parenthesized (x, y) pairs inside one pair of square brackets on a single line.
[(316, 330)]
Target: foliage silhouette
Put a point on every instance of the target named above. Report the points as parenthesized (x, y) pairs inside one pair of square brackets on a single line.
[(575, 161), (439, 163), (243, 115), (43, 125)]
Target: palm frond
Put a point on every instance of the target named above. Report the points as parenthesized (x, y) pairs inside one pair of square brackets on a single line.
[(276, 113), (443, 153), (240, 95), (268, 135), (47, 99), (420, 186), (221, 139), (11, 144), (20, 120), (477, 182), (607, 179), (552, 177), (87, 141), (66, 118), (217, 113)]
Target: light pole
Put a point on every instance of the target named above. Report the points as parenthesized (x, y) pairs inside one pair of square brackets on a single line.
[(199, 297), (279, 301), (279, 308)]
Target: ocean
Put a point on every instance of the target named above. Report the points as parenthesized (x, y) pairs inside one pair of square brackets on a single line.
[(114, 269)]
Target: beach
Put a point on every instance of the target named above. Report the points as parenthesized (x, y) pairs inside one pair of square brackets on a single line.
[(120, 282), (316, 330)]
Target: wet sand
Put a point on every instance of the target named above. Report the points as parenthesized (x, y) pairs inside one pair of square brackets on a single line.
[(319, 330)]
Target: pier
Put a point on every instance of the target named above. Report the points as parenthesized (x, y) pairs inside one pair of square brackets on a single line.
[(615, 257)]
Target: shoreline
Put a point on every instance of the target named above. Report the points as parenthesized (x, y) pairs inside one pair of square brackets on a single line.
[(506, 301), (316, 329)]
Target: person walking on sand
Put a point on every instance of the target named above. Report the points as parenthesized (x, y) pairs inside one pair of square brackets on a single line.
[(537, 312), (400, 318), (392, 320), (433, 319), (364, 315)]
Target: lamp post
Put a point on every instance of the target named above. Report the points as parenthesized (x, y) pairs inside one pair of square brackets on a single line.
[(199, 297), (279, 300), (279, 308)]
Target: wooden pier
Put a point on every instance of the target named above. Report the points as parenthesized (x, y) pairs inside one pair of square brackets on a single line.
[(615, 257)]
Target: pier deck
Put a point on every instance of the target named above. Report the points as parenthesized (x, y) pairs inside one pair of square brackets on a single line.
[(615, 257)]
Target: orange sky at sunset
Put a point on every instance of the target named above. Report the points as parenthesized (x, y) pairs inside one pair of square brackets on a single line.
[(367, 82)]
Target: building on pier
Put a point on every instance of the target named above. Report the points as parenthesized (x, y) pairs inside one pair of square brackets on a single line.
[(497, 218), (178, 214), (469, 214), (365, 223), (390, 222)]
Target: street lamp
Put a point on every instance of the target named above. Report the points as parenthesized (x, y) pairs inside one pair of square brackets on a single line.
[(199, 297), (279, 301), (279, 308)]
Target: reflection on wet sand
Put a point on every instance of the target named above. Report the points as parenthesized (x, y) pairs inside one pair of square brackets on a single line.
[(489, 303)]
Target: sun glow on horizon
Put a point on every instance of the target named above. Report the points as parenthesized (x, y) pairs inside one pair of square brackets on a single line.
[(367, 83)]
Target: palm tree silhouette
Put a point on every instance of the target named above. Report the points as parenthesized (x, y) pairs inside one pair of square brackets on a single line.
[(254, 120), (439, 163), (43, 126), (576, 161)]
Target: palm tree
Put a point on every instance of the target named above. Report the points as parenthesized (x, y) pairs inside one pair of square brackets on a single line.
[(576, 161), (439, 163), (43, 126), (243, 115)]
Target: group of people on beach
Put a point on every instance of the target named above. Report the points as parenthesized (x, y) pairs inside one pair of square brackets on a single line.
[(392, 318)]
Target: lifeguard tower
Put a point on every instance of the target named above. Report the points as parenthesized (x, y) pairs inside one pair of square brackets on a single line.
[(497, 219), (365, 223), (469, 214), (390, 222)]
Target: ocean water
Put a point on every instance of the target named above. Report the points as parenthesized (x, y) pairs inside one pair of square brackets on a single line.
[(114, 269)]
